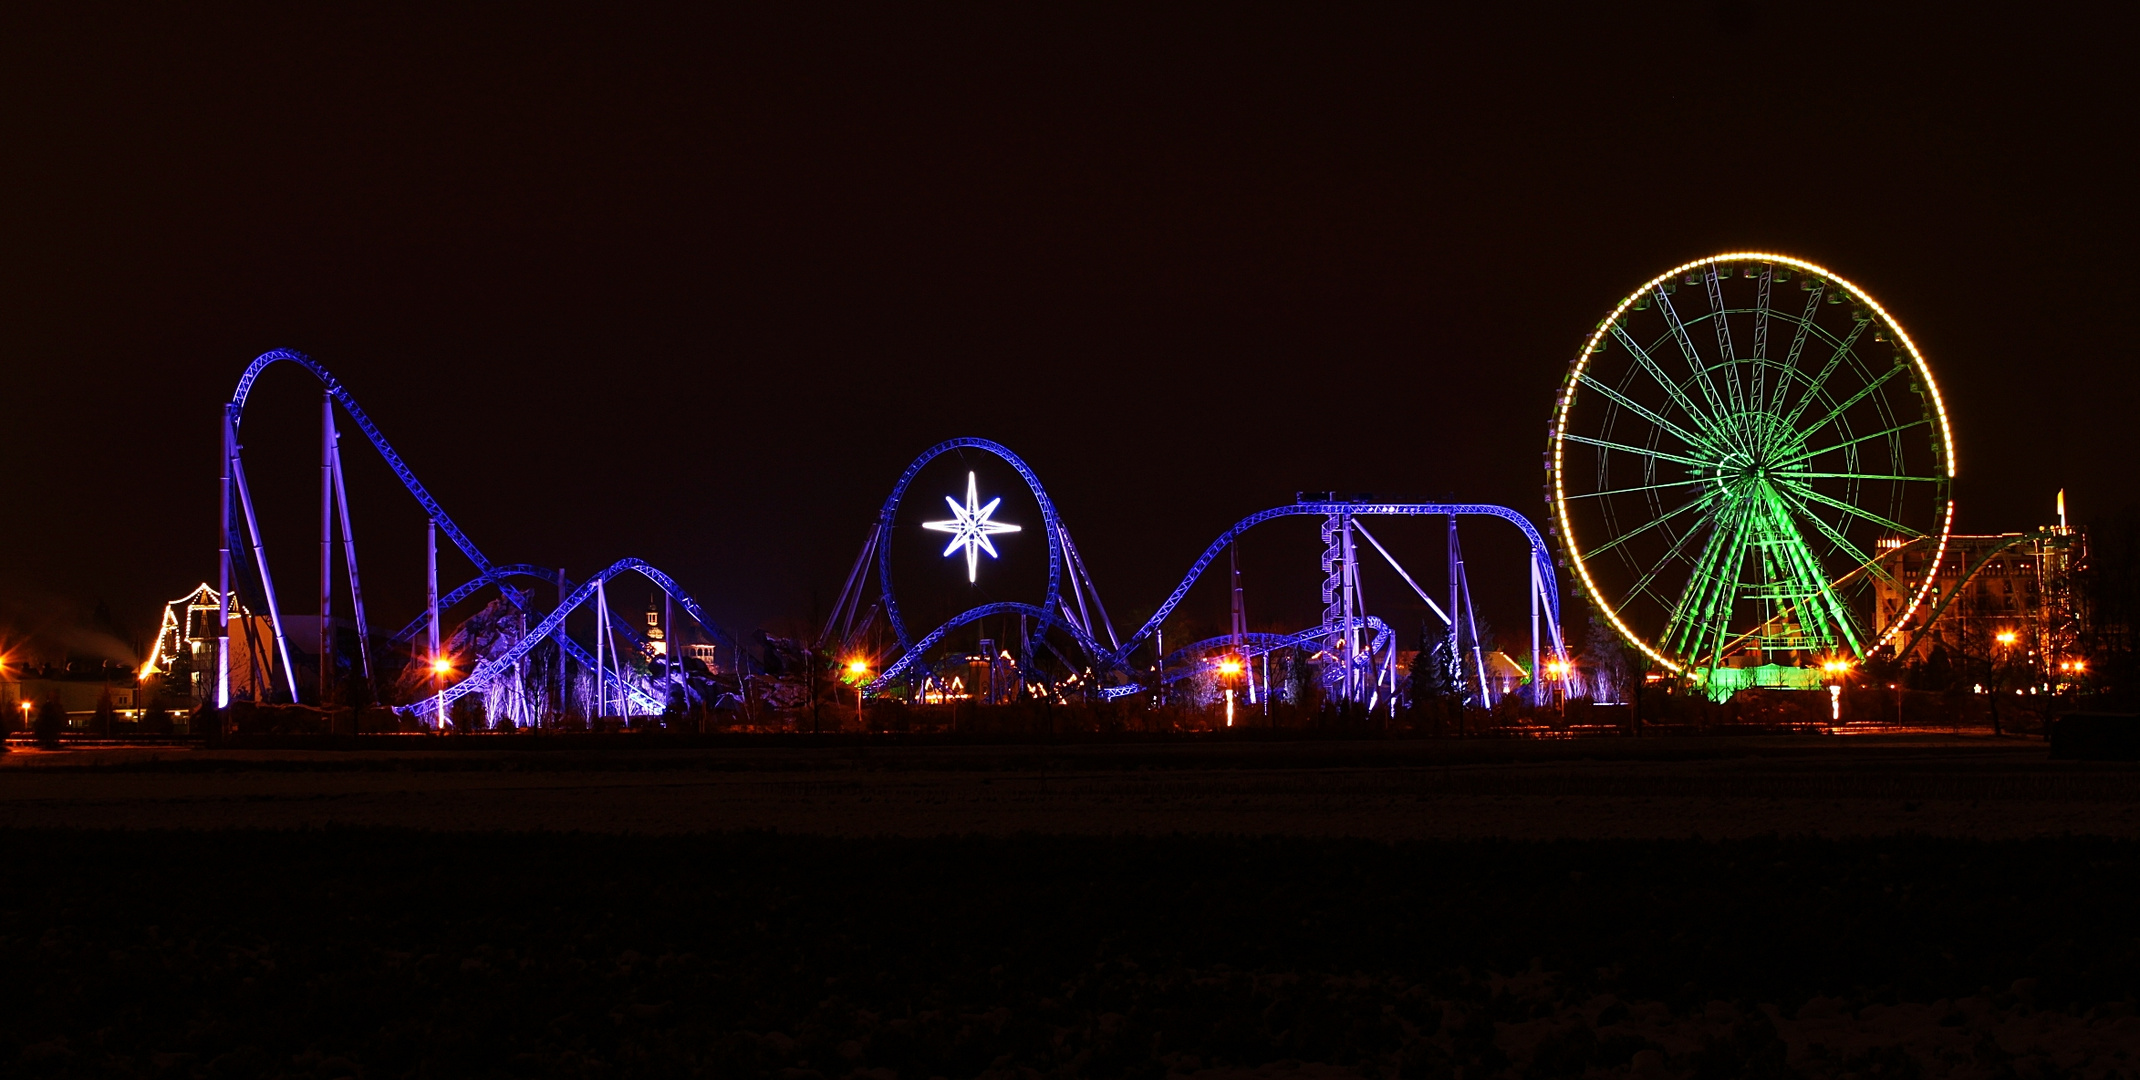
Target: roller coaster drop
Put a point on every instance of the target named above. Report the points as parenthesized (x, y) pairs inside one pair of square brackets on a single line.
[(1356, 651)]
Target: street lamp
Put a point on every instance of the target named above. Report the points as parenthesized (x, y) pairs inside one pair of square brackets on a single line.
[(1230, 669), (1836, 668), (441, 667), (858, 670)]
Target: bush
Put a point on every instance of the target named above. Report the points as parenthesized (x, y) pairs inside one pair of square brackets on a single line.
[(157, 720)]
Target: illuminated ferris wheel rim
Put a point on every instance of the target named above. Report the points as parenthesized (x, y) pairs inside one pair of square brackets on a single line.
[(1591, 348)]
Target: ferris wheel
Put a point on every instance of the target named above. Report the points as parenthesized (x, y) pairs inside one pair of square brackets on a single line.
[(1750, 469)]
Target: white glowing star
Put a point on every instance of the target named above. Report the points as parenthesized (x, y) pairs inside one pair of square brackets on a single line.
[(970, 528)]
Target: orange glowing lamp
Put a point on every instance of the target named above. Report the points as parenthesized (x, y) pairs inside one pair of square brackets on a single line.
[(2007, 637), (442, 666), (1230, 667), (858, 667)]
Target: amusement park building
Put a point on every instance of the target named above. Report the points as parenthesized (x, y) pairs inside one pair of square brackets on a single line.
[(1993, 585)]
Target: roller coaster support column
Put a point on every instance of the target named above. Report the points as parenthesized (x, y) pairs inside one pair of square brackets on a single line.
[(1456, 576), (267, 582), (227, 524), (349, 556), (431, 610), (1538, 674), (326, 549), (1354, 675)]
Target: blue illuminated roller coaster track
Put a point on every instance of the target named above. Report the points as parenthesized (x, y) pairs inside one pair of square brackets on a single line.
[(1110, 661), (239, 523)]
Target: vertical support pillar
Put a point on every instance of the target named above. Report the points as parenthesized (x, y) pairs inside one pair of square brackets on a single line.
[(1456, 634), (601, 633), (1538, 674), (564, 676), (431, 607), (326, 549), (1353, 674), (267, 581), (226, 523), (349, 556)]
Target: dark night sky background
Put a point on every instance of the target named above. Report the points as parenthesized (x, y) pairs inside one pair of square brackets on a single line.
[(696, 288)]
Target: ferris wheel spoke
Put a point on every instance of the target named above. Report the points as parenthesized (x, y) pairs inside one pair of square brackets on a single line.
[(1815, 595), (1791, 474), (1670, 385), (1693, 355), (1637, 450), (1638, 409), (1690, 614), (1839, 504), (1809, 455), (1717, 625), (1723, 336), (1642, 584), (1645, 488), (1865, 562), (1798, 342), (1835, 360), (1870, 388), (1760, 365), (1698, 502)]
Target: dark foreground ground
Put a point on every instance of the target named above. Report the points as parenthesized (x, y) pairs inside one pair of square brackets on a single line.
[(1040, 944)]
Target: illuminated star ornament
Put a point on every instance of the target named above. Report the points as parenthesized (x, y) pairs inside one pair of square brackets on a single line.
[(970, 528)]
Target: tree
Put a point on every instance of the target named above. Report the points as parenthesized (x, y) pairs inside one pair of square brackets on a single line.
[(51, 720), (1437, 677), (157, 719), (106, 717), (1616, 667)]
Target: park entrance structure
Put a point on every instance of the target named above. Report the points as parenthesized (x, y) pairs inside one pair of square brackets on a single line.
[(1734, 467)]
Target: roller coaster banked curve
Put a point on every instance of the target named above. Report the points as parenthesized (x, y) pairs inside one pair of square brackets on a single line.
[(1112, 661), (238, 512)]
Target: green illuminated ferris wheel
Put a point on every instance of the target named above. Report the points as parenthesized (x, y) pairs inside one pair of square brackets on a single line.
[(1750, 471)]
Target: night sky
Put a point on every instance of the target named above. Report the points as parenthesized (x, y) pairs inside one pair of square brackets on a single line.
[(697, 287)]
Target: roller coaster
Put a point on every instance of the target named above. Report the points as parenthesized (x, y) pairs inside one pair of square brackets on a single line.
[(522, 674), (522, 664), (1060, 642)]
